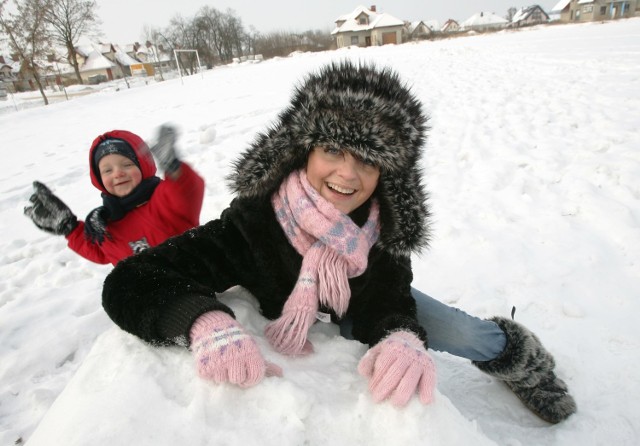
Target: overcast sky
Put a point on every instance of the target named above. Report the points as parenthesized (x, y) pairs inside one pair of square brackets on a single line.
[(123, 20)]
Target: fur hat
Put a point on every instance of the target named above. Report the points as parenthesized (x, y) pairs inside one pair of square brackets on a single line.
[(367, 111)]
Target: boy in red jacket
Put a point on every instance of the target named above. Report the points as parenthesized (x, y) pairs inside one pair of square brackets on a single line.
[(139, 209)]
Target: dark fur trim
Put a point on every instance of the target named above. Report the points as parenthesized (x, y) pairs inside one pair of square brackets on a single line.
[(527, 368), (370, 113)]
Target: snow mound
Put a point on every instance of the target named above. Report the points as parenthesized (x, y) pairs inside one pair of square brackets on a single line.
[(208, 134), (128, 390)]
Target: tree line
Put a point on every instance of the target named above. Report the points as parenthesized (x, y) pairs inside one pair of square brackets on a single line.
[(220, 36), (33, 30)]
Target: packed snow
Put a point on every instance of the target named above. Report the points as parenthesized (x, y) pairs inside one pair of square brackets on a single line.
[(532, 165)]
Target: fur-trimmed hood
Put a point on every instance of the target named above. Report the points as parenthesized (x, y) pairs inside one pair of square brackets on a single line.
[(367, 111)]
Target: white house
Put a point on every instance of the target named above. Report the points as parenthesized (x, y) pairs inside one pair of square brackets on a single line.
[(93, 63), (484, 22), (366, 27)]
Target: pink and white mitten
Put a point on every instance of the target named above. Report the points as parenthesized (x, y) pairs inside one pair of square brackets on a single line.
[(225, 352), (397, 367)]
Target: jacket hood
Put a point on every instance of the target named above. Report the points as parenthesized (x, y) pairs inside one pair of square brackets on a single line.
[(140, 148), (367, 111)]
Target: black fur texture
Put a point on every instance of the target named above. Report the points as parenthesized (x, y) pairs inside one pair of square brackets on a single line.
[(158, 293), (362, 109), (527, 368)]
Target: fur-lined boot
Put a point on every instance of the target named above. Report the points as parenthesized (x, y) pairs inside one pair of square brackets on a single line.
[(527, 368)]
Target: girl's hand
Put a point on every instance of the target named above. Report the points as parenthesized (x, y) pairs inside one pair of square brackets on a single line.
[(397, 367), (225, 352)]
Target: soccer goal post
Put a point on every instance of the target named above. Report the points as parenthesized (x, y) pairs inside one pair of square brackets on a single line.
[(175, 54)]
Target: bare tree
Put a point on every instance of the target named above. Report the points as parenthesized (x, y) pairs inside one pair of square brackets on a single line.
[(318, 40), (219, 34), (70, 19), (207, 24), (182, 35), (250, 40), (160, 38), (511, 12), (28, 36), (232, 33), (283, 43)]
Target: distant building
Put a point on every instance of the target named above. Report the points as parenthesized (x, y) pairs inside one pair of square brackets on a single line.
[(531, 15), (6, 69), (366, 27), (94, 65), (417, 30), (450, 26), (484, 22), (590, 10)]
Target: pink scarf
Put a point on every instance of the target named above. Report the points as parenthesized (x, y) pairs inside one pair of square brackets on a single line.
[(334, 249)]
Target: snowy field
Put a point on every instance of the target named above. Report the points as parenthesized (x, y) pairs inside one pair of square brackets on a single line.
[(533, 165)]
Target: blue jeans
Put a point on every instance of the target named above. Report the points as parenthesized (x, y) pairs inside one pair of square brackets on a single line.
[(452, 330)]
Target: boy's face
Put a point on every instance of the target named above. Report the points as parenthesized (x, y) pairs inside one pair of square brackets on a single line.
[(120, 176), (340, 178)]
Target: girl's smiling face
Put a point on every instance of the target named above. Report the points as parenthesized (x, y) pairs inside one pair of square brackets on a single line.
[(120, 176), (340, 178)]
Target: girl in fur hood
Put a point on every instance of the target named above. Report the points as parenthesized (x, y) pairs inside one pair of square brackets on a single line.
[(139, 209), (329, 207)]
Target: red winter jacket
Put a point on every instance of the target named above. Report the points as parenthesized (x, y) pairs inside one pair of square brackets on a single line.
[(173, 208)]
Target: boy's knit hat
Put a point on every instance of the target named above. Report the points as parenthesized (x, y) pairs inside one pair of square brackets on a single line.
[(114, 146), (362, 109)]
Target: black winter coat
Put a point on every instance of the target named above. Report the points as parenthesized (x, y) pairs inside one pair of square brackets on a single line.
[(159, 293)]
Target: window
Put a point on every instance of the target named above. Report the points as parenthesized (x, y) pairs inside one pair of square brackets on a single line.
[(354, 40), (603, 10)]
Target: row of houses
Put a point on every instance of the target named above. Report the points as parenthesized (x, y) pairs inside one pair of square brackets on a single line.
[(97, 62), (366, 26)]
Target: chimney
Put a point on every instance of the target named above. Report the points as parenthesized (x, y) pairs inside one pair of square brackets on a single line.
[(2, 60), (373, 8)]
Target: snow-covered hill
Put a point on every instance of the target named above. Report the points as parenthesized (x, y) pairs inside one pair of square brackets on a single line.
[(532, 164)]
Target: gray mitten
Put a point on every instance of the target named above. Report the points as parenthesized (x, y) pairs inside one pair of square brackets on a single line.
[(49, 213), (164, 150)]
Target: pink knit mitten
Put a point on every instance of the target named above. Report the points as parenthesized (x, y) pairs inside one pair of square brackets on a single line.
[(396, 367), (226, 353)]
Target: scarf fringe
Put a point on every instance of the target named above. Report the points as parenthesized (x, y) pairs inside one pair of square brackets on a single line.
[(333, 284), (288, 333)]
